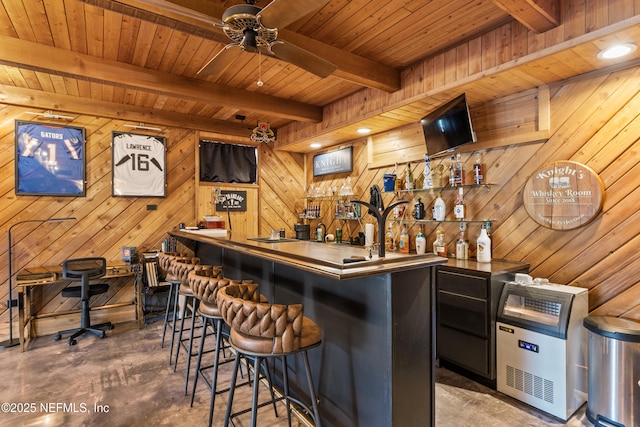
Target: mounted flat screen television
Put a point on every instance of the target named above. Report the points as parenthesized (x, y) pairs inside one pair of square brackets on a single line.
[(448, 127)]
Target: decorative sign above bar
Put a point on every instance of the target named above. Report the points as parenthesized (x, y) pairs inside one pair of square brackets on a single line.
[(236, 201), (333, 162), (563, 195)]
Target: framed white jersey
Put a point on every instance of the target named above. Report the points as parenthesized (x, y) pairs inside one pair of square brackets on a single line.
[(49, 159), (138, 165)]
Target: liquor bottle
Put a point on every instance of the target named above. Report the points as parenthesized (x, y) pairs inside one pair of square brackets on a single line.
[(421, 242), (478, 172), (398, 183), (439, 245), (427, 182), (459, 210), (452, 172), (483, 253), (389, 240), (462, 245), (439, 209), (404, 240), (409, 178), (458, 171)]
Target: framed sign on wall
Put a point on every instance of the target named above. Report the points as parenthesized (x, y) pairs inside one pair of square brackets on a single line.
[(49, 159), (564, 195), (138, 165)]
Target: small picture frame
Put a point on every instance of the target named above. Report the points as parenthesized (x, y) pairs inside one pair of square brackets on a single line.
[(139, 165), (49, 160)]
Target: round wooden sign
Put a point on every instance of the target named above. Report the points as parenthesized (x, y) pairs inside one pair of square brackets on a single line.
[(563, 195)]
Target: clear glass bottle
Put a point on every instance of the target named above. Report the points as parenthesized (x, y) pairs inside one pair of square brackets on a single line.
[(409, 178), (460, 208), (458, 170), (452, 172), (389, 239), (439, 245), (478, 171), (462, 245), (427, 181)]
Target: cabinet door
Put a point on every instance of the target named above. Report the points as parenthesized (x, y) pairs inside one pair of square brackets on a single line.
[(464, 284), (460, 312), (468, 351)]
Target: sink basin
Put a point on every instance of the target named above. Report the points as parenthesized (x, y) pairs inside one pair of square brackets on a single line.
[(268, 240)]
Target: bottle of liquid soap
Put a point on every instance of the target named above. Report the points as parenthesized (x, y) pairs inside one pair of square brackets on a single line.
[(483, 252), (421, 242), (404, 240)]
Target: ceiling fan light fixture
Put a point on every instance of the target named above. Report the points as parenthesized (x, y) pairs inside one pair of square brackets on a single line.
[(249, 43), (617, 51)]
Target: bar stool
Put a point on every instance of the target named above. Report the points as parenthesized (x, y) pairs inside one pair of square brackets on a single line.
[(205, 286), (260, 331), (174, 283), (181, 271), (164, 263)]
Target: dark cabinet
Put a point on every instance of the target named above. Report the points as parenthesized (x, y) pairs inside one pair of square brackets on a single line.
[(467, 295)]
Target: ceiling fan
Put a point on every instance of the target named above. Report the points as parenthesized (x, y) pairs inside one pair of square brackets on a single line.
[(254, 29)]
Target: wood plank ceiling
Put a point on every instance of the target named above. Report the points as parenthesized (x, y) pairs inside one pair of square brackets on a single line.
[(138, 60)]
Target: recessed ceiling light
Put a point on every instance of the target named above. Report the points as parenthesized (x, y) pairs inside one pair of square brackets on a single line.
[(363, 131), (617, 51), (315, 145)]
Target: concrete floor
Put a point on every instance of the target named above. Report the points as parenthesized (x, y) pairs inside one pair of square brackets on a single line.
[(126, 380)]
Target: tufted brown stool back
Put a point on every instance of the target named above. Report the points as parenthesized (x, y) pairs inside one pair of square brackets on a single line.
[(205, 285), (265, 328), (261, 330), (164, 261)]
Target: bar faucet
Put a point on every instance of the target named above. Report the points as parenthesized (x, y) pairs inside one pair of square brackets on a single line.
[(382, 218)]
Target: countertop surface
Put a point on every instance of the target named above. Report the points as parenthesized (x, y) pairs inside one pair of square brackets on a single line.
[(327, 259), (496, 266)]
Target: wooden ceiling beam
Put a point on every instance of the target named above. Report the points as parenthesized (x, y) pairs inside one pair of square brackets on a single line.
[(352, 68), (72, 104), (537, 15), (37, 57)]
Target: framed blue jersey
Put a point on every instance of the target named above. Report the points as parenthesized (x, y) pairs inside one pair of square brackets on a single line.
[(138, 165), (49, 159)]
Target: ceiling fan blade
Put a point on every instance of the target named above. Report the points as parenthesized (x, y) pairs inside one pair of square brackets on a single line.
[(280, 13), (302, 58), (222, 60)]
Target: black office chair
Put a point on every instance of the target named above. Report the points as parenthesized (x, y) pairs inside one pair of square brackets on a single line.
[(84, 270)]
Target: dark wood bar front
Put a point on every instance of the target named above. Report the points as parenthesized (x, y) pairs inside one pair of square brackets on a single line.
[(375, 366)]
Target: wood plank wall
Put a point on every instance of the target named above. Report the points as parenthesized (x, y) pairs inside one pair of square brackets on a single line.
[(104, 223), (593, 121)]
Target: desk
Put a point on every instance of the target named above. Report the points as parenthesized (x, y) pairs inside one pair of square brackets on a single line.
[(31, 277)]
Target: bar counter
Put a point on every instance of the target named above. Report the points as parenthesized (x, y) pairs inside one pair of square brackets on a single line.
[(375, 366)]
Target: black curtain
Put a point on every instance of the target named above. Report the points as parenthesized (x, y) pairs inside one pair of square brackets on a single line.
[(227, 163)]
